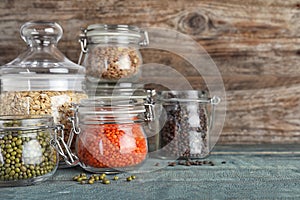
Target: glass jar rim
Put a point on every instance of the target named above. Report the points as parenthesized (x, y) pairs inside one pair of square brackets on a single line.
[(185, 96), (113, 34), (27, 122), (112, 30), (111, 106), (113, 91), (111, 109)]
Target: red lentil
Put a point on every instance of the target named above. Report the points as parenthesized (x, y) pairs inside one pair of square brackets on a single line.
[(112, 145)]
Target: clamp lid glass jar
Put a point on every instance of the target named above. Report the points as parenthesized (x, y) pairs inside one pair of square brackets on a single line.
[(41, 80), (186, 120), (112, 52), (111, 134), (27, 155)]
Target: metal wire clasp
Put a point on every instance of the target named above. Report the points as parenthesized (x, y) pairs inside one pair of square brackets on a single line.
[(75, 124), (63, 149), (75, 119), (214, 101), (149, 106), (83, 44), (145, 42)]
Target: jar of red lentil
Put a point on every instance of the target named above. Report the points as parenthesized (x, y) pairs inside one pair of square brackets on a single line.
[(111, 52), (111, 136)]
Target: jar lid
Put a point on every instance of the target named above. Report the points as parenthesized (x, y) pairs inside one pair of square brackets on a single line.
[(111, 109), (183, 96), (107, 29), (25, 122), (98, 33), (135, 91), (42, 65)]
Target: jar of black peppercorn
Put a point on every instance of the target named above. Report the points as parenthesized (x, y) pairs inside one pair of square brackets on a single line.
[(186, 119), (111, 52)]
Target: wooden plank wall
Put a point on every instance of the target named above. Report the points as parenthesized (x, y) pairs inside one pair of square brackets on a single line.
[(255, 44)]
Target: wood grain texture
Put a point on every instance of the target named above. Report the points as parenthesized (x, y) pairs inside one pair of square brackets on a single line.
[(255, 44)]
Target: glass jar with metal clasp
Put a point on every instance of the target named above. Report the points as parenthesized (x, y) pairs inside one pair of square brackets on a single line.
[(185, 120), (111, 136), (111, 53)]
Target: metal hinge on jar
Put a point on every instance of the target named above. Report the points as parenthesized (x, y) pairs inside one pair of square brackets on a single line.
[(145, 41), (149, 105), (215, 100), (62, 148), (83, 45)]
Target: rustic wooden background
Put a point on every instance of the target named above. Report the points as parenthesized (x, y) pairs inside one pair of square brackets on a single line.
[(255, 44)]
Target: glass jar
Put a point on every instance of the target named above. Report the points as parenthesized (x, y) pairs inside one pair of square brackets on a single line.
[(111, 135), (27, 154), (186, 119), (41, 80), (112, 52)]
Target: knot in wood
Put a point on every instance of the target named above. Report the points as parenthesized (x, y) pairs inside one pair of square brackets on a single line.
[(193, 23)]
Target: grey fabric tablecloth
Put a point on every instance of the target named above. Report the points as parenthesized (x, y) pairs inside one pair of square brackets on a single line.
[(250, 172)]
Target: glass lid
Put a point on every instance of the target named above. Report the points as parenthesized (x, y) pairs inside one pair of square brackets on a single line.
[(41, 61), (42, 55)]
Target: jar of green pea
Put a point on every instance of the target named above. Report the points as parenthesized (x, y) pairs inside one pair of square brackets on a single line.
[(27, 152)]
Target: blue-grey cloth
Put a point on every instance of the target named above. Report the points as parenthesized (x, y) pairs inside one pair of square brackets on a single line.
[(250, 172)]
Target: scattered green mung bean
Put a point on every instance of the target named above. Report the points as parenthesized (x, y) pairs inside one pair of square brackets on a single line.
[(101, 177), (105, 181), (75, 178), (83, 178), (91, 181)]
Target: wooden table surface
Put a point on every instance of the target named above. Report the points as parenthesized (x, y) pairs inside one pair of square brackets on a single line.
[(250, 172)]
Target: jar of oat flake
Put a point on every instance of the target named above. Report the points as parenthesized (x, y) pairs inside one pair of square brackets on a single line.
[(110, 53), (41, 80)]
